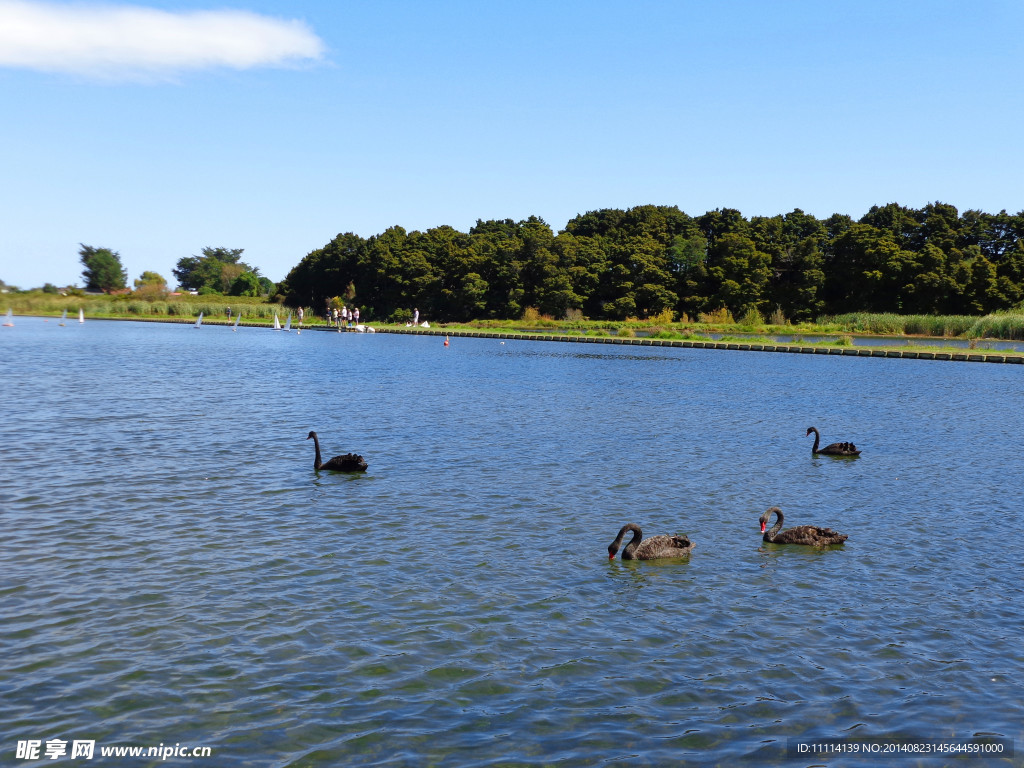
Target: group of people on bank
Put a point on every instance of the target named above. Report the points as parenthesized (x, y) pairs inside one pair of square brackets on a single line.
[(343, 317)]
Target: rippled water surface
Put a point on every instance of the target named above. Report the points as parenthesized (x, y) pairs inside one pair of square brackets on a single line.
[(175, 572)]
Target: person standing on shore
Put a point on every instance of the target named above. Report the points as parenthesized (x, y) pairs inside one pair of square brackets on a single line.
[(355, 315), (416, 316), (300, 316)]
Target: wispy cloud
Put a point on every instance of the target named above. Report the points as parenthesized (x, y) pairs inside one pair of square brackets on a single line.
[(130, 41)]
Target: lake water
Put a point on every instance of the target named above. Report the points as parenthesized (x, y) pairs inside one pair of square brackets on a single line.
[(175, 572)]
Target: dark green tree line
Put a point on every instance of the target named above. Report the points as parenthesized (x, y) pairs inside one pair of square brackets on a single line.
[(643, 261)]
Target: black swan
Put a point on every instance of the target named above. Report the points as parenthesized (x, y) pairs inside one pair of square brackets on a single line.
[(834, 449), (811, 535), (649, 549), (350, 462)]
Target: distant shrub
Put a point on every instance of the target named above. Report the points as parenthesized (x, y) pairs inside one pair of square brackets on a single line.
[(625, 332), (752, 318), (665, 317), (721, 316), (151, 292)]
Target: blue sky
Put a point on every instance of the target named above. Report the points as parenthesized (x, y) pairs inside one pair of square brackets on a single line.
[(159, 128)]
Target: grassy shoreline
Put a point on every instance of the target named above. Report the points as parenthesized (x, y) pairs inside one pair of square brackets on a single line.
[(840, 331)]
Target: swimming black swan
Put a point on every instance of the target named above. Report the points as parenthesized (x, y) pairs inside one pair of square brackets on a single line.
[(811, 535), (834, 449), (649, 549), (350, 462)]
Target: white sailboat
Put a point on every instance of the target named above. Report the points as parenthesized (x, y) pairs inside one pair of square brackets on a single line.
[(288, 322), (9, 322), (63, 317), (199, 322), (277, 323), (237, 318), (81, 315)]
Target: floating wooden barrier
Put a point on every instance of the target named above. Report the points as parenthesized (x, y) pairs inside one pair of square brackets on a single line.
[(906, 354)]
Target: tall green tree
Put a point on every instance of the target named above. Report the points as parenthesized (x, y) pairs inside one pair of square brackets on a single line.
[(870, 271), (498, 258), (103, 269), (325, 272), (246, 284), (798, 281), (982, 290), (738, 274), (151, 286), (687, 260), (794, 244), (215, 271), (722, 221), (151, 278)]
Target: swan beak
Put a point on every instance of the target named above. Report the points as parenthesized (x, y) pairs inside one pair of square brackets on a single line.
[(762, 527), (611, 556)]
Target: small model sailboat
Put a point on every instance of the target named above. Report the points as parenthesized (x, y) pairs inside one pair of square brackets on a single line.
[(9, 321), (63, 317), (81, 315), (199, 322), (288, 322), (277, 323), (237, 318)]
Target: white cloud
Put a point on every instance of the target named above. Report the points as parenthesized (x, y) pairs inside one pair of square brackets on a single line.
[(128, 41)]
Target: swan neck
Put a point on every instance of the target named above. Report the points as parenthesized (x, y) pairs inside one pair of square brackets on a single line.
[(817, 440), (627, 553), (777, 527), (316, 443)]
